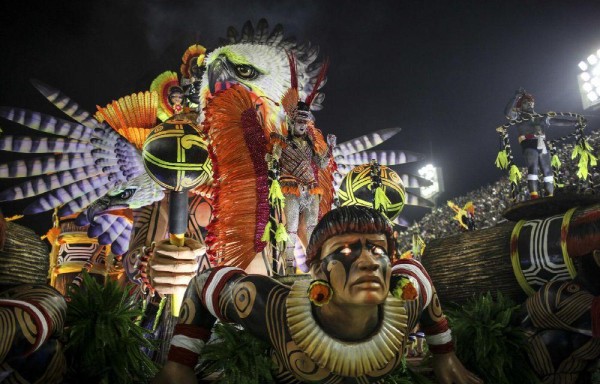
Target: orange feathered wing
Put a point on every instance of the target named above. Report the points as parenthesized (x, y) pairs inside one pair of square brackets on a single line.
[(238, 142)]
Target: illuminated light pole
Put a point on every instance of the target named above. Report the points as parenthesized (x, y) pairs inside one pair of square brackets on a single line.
[(433, 174), (589, 81)]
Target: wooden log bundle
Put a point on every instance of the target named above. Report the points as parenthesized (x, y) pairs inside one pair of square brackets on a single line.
[(463, 265), (542, 249)]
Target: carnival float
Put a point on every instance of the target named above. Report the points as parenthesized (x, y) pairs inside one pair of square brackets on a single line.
[(205, 229)]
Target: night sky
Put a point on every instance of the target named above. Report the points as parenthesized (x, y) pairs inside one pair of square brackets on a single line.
[(442, 71)]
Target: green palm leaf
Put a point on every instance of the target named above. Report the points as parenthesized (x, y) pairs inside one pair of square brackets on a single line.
[(489, 340), (104, 342)]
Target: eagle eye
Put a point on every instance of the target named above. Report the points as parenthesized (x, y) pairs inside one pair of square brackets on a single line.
[(126, 194), (246, 71)]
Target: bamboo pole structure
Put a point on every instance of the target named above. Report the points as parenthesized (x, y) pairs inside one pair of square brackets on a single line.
[(24, 258)]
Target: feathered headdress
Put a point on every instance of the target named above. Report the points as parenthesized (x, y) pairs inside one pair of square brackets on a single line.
[(291, 102), (162, 85), (192, 59), (524, 96)]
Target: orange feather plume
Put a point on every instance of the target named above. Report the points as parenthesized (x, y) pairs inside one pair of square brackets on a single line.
[(133, 116)]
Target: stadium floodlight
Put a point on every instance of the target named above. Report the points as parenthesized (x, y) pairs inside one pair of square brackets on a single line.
[(433, 174), (589, 81), (585, 76)]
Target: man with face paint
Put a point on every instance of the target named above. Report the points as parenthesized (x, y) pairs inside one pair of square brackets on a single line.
[(343, 327), (532, 138)]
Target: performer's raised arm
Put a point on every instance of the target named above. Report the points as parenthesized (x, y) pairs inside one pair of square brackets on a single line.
[(511, 110)]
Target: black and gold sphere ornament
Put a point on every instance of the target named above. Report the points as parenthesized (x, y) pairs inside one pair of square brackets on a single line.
[(359, 188), (175, 155)]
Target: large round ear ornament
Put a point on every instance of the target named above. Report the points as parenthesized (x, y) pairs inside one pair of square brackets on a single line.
[(320, 292)]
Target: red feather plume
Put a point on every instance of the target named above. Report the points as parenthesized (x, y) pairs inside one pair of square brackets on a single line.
[(320, 78)]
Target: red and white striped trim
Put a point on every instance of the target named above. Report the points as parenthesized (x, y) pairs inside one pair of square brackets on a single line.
[(187, 343), (41, 322), (214, 284), (414, 269), (183, 356), (440, 338), (191, 344)]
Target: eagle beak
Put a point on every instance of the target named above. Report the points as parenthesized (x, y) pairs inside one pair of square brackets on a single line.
[(218, 73), (97, 207)]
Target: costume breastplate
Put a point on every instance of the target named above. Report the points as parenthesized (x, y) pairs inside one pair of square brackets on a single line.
[(531, 127), (297, 166)]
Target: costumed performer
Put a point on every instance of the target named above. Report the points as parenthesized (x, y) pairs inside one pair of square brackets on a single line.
[(299, 163), (301, 156), (531, 127)]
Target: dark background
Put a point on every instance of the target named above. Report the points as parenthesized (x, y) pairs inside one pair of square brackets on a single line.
[(441, 70)]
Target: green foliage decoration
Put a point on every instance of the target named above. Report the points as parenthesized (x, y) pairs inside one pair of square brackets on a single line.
[(489, 340), (514, 174), (587, 159), (104, 342), (596, 375), (502, 159), (236, 357)]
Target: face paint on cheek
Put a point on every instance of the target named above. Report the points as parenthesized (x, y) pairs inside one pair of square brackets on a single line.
[(326, 268), (385, 269), (381, 257), (333, 265), (346, 260)]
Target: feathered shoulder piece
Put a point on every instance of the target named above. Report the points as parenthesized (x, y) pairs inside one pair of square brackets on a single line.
[(133, 116), (162, 84), (238, 148), (325, 175), (193, 56)]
